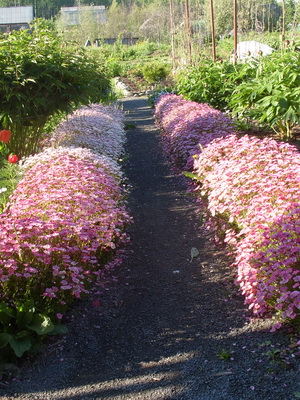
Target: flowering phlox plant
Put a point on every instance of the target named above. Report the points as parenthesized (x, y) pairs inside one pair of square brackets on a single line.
[(61, 226), (187, 126), (97, 127), (251, 190), (251, 187)]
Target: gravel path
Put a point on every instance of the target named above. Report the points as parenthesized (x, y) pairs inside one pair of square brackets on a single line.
[(170, 327)]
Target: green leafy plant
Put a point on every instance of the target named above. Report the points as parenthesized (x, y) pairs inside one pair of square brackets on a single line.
[(273, 96), (155, 72), (10, 175), (279, 356), (39, 77), (212, 82), (115, 68), (22, 329), (225, 355)]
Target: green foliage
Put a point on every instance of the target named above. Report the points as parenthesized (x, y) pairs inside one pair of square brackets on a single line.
[(225, 355), (40, 76), (157, 92), (273, 96), (22, 328), (116, 68), (211, 82), (9, 177), (155, 72), (122, 52)]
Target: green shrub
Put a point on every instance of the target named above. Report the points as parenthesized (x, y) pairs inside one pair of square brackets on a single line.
[(273, 96), (114, 68), (155, 72), (212, 82), (136, 70), (41, 76)]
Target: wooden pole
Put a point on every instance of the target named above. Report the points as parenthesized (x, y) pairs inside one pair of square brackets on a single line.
[(283, 20), (188, 29), (235, 30), (212, 30), (172, 28)]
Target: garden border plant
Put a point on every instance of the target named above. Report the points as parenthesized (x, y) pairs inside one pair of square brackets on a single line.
[(41, 76), (272, 96), (261, 91), (62, 228), (251, 190)]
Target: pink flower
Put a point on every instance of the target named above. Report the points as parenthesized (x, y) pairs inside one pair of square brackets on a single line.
[(250, 190), (67, 215)]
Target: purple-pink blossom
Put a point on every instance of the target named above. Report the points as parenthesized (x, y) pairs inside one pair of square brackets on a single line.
[(65, 222), (250, 187)]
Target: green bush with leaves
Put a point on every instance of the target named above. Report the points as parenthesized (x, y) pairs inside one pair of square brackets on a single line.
[(212, 82), (273, 96), (155, 72), (39, 77)]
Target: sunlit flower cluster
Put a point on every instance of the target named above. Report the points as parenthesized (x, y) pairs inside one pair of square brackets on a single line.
[(251, 191), (65, 221), (96, 127), (187, 125)]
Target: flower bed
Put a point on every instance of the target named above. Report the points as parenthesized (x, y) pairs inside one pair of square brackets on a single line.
[(251, 189), (186, 124), (95, 127), (64, 223)]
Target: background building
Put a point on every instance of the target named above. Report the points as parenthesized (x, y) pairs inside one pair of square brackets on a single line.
[(15, 18), (71, 15)]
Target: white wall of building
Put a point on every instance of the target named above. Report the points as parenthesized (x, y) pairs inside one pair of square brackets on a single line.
[(14, 15)]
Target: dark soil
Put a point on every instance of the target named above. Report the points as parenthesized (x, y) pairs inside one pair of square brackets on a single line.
[(166, 326)]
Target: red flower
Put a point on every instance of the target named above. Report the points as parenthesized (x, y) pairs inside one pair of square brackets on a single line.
[(5, 136), (12, 158)]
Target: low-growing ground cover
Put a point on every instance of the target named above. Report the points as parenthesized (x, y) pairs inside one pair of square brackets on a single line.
[(185, 125), (62, 227), (251, 190)]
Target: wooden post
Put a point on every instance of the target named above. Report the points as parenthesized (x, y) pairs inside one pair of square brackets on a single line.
[(172, 28), (283, 20), (235, 30), (212, 30), (188, 29)]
